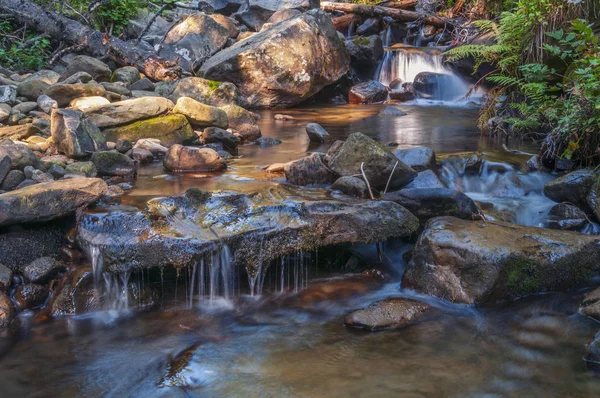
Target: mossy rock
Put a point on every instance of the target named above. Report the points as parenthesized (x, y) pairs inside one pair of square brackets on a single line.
[(170, 129), (85, 169)]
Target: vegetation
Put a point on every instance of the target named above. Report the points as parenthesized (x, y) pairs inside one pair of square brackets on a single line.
[(22, 49), (547, 76)]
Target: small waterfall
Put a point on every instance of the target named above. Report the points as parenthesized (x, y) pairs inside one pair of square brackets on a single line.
[(212, 277), (111, 289), (351, 29)]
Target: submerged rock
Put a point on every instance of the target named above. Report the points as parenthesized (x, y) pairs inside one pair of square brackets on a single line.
[(590, 306), (426, 203), (393, 313), (179, 230), (475, 262), (46, 201), (284, 65)]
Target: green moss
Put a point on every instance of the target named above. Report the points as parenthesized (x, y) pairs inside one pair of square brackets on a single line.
[(522, 276), (197, 195), (170, 129), (361, 41), (212, 86)]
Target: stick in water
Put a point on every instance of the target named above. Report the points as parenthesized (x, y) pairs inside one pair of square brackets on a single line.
[(367, 181)]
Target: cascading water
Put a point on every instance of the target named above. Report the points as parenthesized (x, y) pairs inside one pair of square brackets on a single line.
[(112, 290), (213, 277)]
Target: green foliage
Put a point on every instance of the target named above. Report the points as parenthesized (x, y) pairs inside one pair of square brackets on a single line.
[(23, 51), (116, 15)]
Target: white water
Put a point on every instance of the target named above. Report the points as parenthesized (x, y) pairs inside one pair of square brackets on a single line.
[(111, 289)]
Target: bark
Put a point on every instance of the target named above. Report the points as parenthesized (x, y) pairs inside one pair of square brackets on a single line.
[(64, 29), (344, 21), (403, 4), (378, 11)]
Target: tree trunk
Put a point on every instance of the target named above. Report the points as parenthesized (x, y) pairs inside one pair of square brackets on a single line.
[(345, 20), (378, 11), (403, 4), (62, 28)]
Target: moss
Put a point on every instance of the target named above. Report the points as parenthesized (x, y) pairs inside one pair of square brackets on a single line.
[(361, 41), (522, 276), (213, 86), (197, 195), (170, 129)]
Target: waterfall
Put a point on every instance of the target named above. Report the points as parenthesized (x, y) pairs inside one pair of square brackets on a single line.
[(212, 277), (111, 289)]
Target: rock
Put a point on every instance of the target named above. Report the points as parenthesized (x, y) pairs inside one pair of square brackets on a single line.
[(475, 262), (56, 171), (392, 111), (418, 158), (378, 163), (365, 52), (83, 169), (78, 77), (128, 111), (392, 313), (284, 65), (63, 94), (113, 164), (426, 179), (283, 14), (278, 168), (426, 203), (185, 158), (428, 84), (115, 190), (12, 180), (46, 103), (43, 202), (150, 239), (123, 145), (194, 39), (143, 84), (84, 103), (266, 142), (352, 186), (17, 133), (573, 187), (592, 356), (40, 241), (143, 156), (590, 306), (30, 296), (118, 88), (316, 133), (367, 93), (4, 112), (370, 27), (7, 311), (255, 13), (39, 176), (25, 183), (208, 92), (45, 75), (32, 88), (4, 167), (74, 134), (309, 170), (201, 115), (5, 278), (215, 134), (169, 129), (82, 63), (42, 270), (126, 74), (225, 7), (405, 93), (24, 107), (566, 216), (75, 294), (8, 94), (20, 155), (242, 122), (153, 145)]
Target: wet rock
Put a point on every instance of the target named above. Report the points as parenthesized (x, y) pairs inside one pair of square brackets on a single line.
[(367, 93), (592, 356), (370, 27), (352, 186), (128, 111), (185, 158), (284, 65), (309, 170), (277, 219), (393, 313), (93, 66), (7, 311), (42, 270), (392, 111), (153, 145), (30, 296), (475, 262), (109, 163), (123, 145), (406, 92), (365, 52), (566, 216), (266, 142), (40, 241), (427, 84), (316, 133), (215, 134), (242, 122), (200, 114), (43, 202), (75, 294), (378, 162), (8, 95), (75, 135), (12, 180), (143, 156), (194, 39), (5, 278), (426, 203), (590, 306), (208, 92), (126, 74), (83, 169), (278, 168), (169, 129), (419, 158), (573, 187), (20, 155), (63, 94)]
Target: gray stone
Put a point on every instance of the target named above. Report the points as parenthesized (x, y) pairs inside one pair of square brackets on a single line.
[(309, 170), (4, 167), (46, 103), (426, 203), (82, 63), (419, 158), (111, 163), (56, 171), (74, 134), (5, 278), (82, 169), (316, 133), (126, 74), (367, 93), (42, 270), (573, 187), (143, 84), (20, 155), (352, 186), (8, 94), (392, 313), (215, 134)]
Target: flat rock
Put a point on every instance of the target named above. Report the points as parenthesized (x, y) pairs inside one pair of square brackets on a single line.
[(200, 114), (426, 203), (169, 129), (185, 158), (128, 111), (393, 313), (63, 93)]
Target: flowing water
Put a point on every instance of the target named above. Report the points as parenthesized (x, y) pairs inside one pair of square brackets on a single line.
[(279, 332)]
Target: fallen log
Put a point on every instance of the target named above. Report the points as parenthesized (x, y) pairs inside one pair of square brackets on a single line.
[(65, 29), (403, 4), (379, 11), (344, 21)]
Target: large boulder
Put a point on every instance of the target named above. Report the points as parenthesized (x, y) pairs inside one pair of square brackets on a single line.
[(242, 122), (426, 203), (573, 187), (169, 129), (46, 201), (208, 92), (74, 134), (276, 220), (284, 65), (193, 40), (365, 52), (82, 63), (63, 93), (186, 158), (254, 13), (378, 161), (201, 115), (124, 112), (309, 170), (475, 262), (393, 313), (367, 93)]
